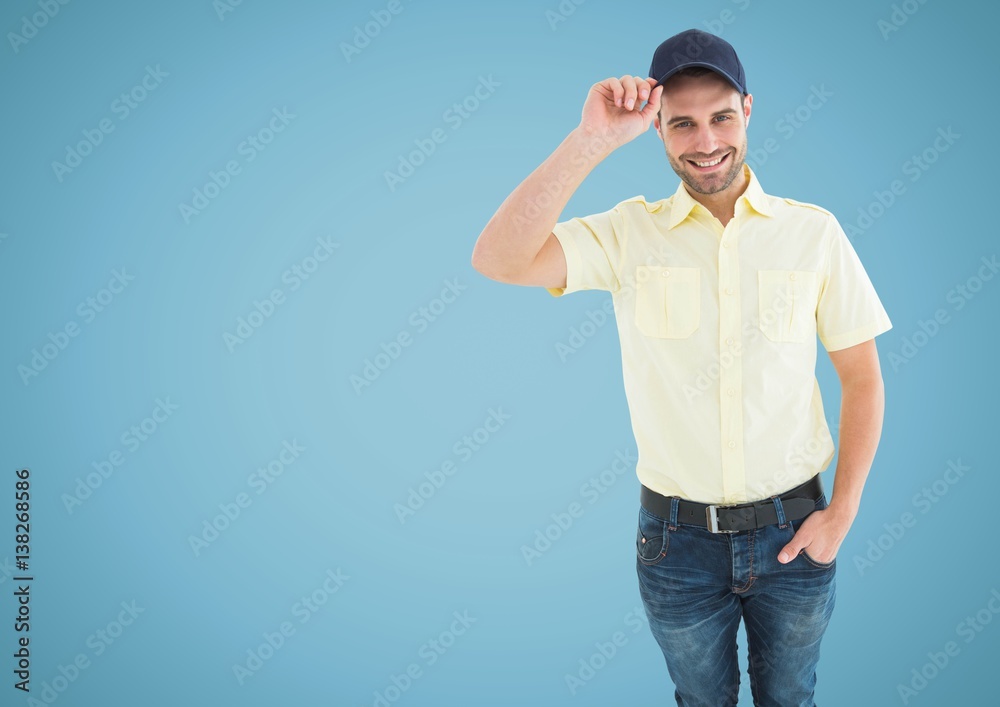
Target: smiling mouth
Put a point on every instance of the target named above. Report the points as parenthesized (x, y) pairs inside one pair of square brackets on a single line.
[(709, 165)]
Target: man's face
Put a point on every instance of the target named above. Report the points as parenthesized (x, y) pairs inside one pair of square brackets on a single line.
[(703, 120)]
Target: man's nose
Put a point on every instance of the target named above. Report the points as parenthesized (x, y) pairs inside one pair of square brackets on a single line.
[(706, 142)]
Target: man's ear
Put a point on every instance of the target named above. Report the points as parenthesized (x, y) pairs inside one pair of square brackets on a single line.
[(747, 103)]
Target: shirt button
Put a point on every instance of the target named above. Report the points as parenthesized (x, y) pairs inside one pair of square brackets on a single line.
[(666, 273), (725, 244), (791, 276), (730, 392), (732, 444), (729, 341), (729, 290)]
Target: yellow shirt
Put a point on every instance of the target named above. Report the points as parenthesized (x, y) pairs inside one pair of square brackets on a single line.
[(718, 331)]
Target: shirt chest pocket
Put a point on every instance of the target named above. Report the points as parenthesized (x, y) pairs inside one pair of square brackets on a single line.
[(667, 301), (787, 304)]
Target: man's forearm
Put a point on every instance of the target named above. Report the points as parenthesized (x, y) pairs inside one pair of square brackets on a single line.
[(520, 227), (861, 413)]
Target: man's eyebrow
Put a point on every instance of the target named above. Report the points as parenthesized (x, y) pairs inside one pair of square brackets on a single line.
[(679, 118)]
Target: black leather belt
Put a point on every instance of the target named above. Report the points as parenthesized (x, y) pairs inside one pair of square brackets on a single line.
[(732, 518)]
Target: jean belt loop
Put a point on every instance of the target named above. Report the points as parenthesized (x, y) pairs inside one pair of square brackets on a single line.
[(780, 511), (674, 504)]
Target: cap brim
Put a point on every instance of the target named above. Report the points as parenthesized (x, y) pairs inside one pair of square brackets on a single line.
[(735, 84)]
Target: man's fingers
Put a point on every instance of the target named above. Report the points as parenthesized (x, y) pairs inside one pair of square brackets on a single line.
[(628, 83), (617, 91), (653, 105), (642, 92), (629, 92), (637, 90)]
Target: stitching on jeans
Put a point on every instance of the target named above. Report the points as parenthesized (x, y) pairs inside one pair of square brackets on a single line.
[(732, 556), (751, 536), (817, 563), (663, 550)]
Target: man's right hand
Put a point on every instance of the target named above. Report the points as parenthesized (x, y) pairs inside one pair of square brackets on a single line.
[(518, 244), (612, 111)]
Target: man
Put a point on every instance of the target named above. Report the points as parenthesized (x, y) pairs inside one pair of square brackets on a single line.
[(720, 291)]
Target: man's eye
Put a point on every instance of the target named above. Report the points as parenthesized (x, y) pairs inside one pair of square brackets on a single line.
[(725, 117), (681, 125)]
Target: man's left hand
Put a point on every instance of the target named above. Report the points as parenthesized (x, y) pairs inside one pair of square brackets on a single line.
[(821, 532)]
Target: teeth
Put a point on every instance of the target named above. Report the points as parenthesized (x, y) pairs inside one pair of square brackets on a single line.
[(709, 164)]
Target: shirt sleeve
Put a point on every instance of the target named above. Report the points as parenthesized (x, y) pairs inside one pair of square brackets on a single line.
[(593, 249), (849, 310)]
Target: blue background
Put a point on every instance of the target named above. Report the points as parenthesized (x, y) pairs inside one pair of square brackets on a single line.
[(492, 347)]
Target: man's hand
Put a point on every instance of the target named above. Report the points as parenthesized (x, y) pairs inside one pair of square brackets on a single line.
[(821, 532), (612, 112), (861, 410)]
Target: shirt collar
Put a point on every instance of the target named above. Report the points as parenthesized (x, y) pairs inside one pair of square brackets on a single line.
[(754, 195)]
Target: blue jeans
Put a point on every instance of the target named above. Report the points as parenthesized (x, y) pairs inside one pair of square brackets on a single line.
[(695, 585)]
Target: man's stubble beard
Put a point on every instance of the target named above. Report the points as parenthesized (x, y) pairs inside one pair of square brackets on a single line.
[(693, 180)]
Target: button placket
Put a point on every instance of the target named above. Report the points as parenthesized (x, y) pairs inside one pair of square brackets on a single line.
[(730, 368)]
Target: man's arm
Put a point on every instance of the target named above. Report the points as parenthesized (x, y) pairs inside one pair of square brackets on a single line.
[(517, 246), (861, 410), (862, 405)]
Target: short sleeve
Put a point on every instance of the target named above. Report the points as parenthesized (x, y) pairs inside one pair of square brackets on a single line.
[(593, 247), (849, 310)]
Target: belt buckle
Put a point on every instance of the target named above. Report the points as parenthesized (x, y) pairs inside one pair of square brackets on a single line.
[(713, 518)]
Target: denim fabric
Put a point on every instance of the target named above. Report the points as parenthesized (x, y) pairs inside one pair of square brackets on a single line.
[(697, 585)]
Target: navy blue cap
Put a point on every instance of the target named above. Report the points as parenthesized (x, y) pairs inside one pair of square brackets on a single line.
[(693, 47)]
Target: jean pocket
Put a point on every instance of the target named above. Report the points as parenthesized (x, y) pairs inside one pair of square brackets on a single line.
[(817, 563), (667, 301), (821, 504), (787, 301), (652, 538)]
